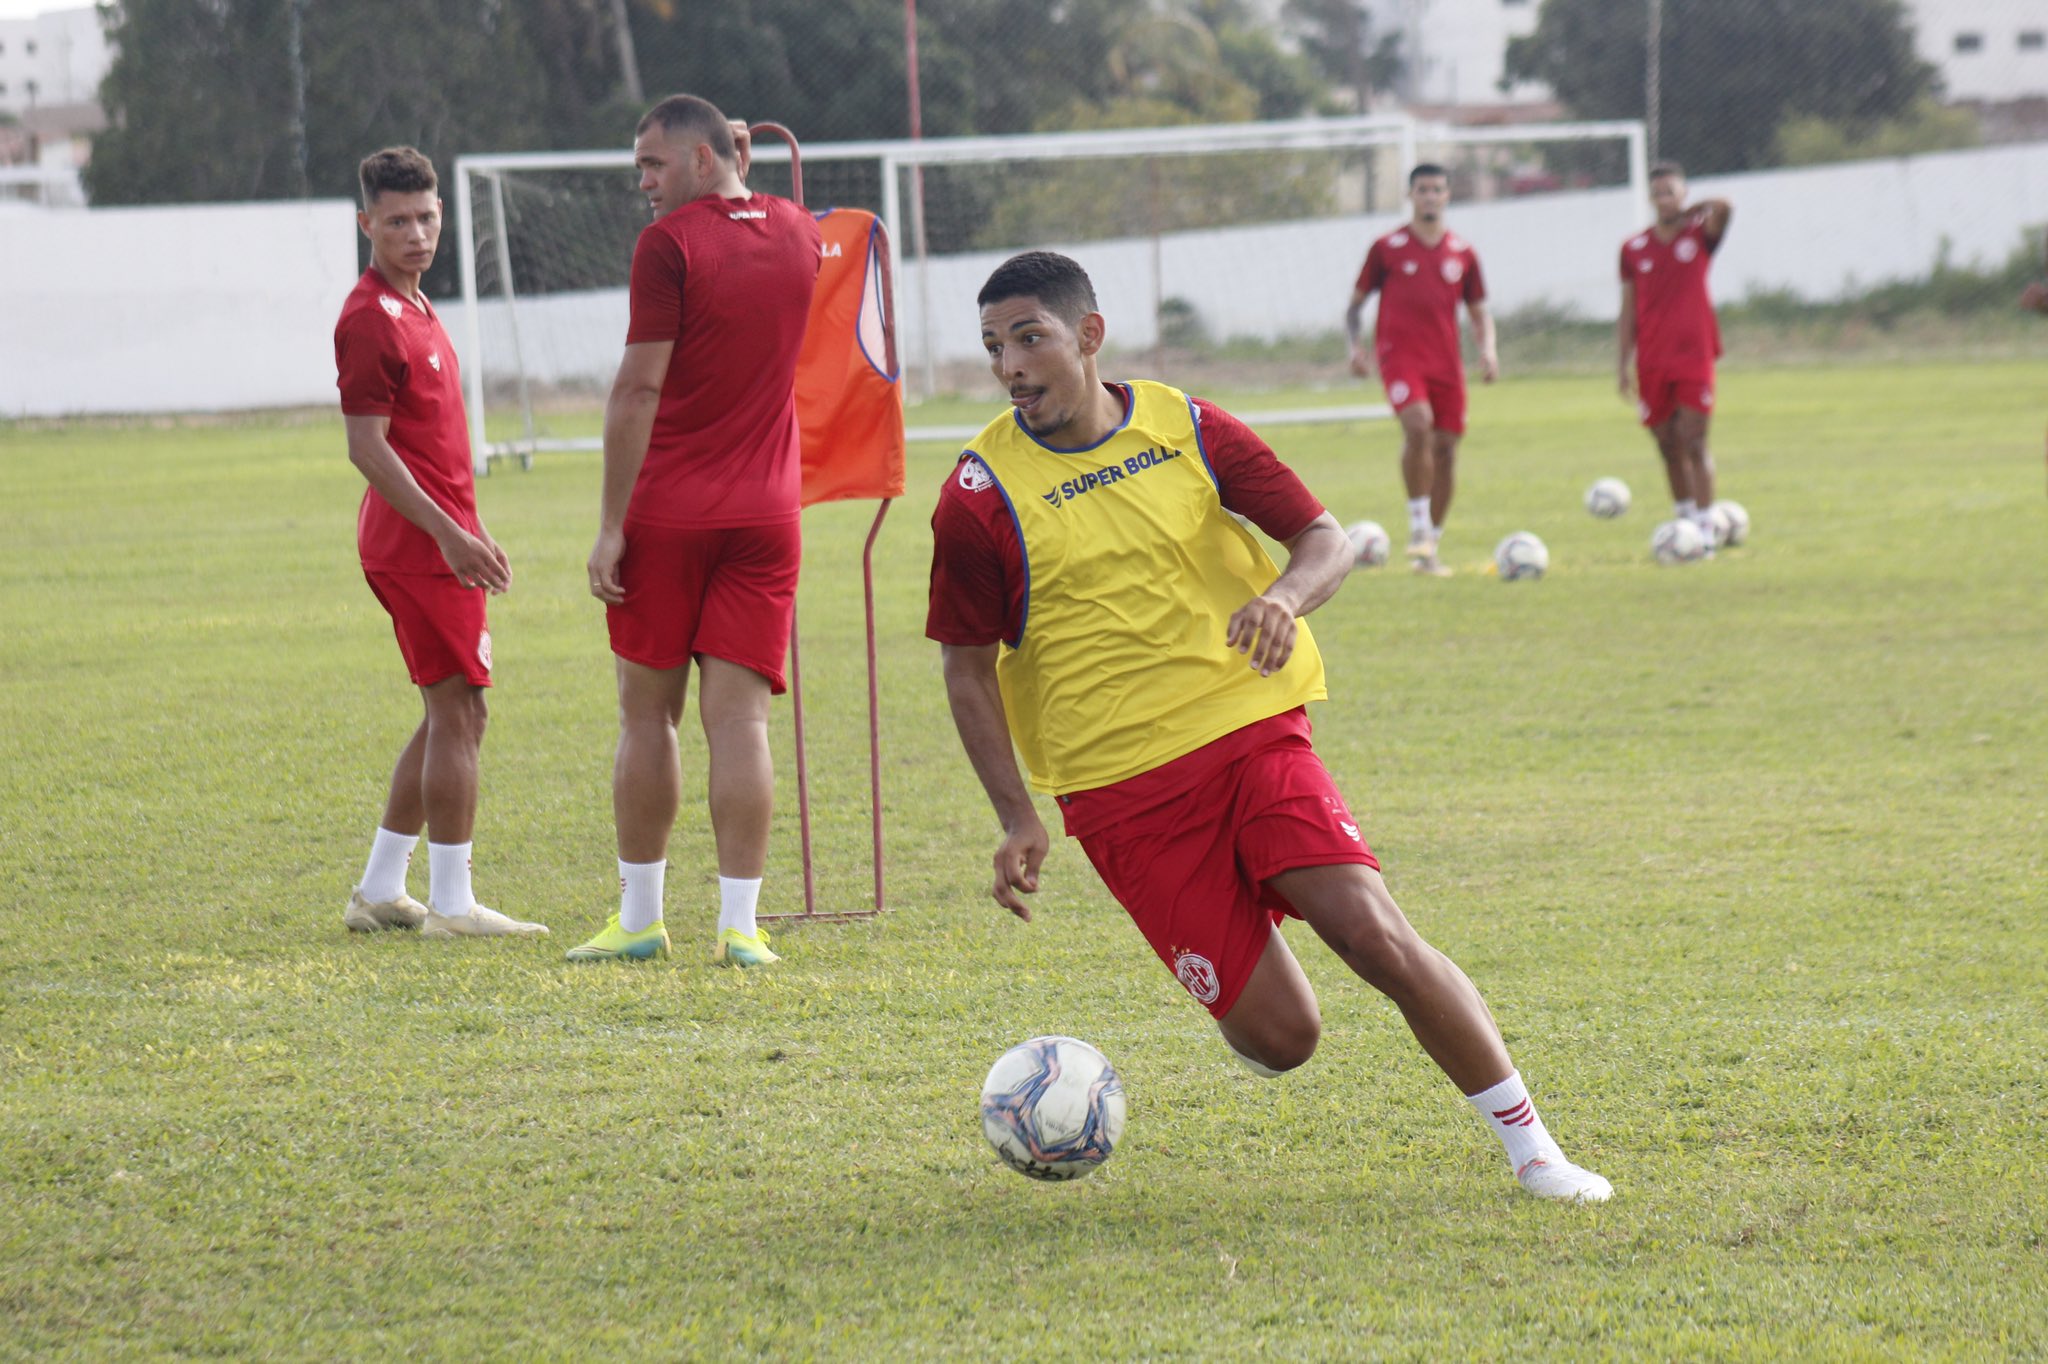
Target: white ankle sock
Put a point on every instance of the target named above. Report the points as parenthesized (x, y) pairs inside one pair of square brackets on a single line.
[(1418, 515), (1685, 509), (1509, 1111), (1436, 532), (640, 894), (448, 879), (384, 877), (736, 900)]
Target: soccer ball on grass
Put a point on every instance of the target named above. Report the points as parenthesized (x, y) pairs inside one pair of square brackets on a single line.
[(1053, 1108), (1735, 519), (1607, 498), (1369, 543), (1520, 556), (1678, 541)]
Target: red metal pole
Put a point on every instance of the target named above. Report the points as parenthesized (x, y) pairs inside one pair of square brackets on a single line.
[(867, 571)]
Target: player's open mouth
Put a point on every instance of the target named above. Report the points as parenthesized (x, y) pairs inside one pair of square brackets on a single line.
[(1026, 399)]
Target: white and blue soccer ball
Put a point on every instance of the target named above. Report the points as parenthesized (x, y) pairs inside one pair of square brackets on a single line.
[(1053, 1108), (1521, 555), (1607, 498), (1370, 544), (1734, 519), (1678, 541)]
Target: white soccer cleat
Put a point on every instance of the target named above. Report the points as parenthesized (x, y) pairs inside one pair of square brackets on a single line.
[(478, 923), (372, 916), (1556, 1177)]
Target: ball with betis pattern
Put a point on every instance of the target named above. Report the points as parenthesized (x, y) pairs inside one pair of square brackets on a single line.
[(1053, 1108)]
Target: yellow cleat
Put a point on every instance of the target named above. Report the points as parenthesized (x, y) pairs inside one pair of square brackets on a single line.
[(737, 949), (614, 943)]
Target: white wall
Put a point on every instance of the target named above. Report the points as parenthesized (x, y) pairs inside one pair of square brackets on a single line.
[(185, 309), (1997, 67), (56, 57)]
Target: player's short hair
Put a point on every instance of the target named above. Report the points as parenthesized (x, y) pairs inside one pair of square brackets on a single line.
[(1054, 280), (1667, 170), (695, 118), (1426, 168), (401, 170)]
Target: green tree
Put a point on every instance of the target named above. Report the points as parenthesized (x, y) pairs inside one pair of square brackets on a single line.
[(1926, 127), (1733, 73), (1337, 37)]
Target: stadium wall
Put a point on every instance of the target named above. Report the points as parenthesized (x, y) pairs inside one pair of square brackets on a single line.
[(232, 306), (175, 309)]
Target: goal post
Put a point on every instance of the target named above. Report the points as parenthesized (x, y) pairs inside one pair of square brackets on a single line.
[(1222, 253)]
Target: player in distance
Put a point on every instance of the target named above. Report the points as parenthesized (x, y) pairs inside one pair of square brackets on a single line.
[(1099, 608), (1666, 329), (424, 550), (698, 541), (1422, 271)]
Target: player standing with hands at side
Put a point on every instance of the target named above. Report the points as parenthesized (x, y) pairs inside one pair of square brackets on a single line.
[(1667, 327), (1099, 608), (1422, 271), (698, 542), (424, 550)]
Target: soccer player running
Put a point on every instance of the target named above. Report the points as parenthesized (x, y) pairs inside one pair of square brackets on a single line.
[(698, 541), (1099, 607), (1667, 327), (1422, 271), (424, 550)]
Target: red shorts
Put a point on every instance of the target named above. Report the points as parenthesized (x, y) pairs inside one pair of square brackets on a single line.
[(729, 592), (1191, 872), (1661, 392), (1445, 394), (439, 623)]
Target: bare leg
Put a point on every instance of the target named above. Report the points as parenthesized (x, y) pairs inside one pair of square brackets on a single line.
[(1443, 451), (456, 715), (1351, 909), (647, 775), (732, 704), (1677, 468), (1416, 465), (404, 811), (1275, 1020), (1691, 435)]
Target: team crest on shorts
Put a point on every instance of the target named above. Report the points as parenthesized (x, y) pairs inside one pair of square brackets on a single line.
[(1706, 399), (1195, 972), (483, 649), (974, 475), (1686, 249), (1398, 390), (391, 305)]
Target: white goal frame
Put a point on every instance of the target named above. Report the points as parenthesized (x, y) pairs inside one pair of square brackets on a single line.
[(911, 263)]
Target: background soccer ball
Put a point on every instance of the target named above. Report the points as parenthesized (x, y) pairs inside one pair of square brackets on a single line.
[(1678, 542), (1369, 543), (1607, 498), (1736, 519), (1520, 556), (1053, 1108)]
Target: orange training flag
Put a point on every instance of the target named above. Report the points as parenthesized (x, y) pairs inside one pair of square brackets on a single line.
[(849, 399)]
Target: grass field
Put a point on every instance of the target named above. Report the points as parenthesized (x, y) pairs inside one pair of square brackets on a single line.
[(1750, 857)]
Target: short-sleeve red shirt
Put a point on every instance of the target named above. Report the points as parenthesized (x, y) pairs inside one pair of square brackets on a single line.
[(1420, 287), (393, 359), (978, 580), (729, 281), (1675, 324)]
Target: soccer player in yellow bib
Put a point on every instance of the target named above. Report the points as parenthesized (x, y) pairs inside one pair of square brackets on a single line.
[(1100, 609)]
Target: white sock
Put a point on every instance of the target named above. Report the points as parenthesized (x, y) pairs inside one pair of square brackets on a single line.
[(640, 894), (384, 877), (1418, 515), (448, 879), (1509, 1111), (736, 900), (1436, 532), (1258, 1068), (1685, 509)]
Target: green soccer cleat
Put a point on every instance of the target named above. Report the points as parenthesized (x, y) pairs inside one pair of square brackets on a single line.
[(616, 944), (737, 949)]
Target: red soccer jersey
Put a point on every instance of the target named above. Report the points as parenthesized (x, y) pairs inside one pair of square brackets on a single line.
[(1420, 288), (729, 281), (1675, 326), (978, 581), (393, 359)]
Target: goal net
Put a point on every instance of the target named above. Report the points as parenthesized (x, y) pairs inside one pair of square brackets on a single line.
[(1222, 255)]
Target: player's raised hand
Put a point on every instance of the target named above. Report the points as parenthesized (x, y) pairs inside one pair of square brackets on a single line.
[(1263, 630), (1361, 364), (1017, 862), (604, 567), (743, 144), (476, 562)]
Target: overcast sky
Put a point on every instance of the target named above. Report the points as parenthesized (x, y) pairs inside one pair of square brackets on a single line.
[(28, 9)]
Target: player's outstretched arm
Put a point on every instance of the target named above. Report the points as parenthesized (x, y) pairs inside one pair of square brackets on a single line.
[(1354, 327), (1625, 340), (1265, 628), (977, 704), (628, 425), (475, 561)]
